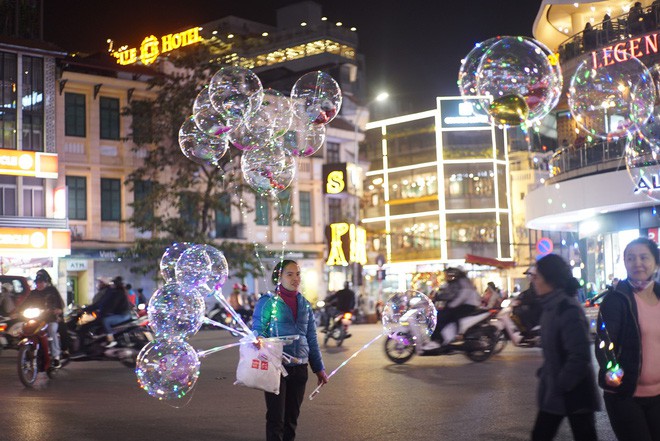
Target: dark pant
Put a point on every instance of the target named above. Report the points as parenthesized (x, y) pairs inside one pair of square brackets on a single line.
[(282, 410), (634, 418), (449, 315), (583, 426)]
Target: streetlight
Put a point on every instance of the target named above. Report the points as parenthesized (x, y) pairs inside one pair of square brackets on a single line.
[(382, 96)]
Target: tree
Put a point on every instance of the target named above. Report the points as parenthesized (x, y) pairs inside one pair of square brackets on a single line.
[(176, 199)]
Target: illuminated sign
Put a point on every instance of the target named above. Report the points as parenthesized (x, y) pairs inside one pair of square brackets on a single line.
[(152, 47), (335, 178), (625, 50), (460, 112), (25, 163), (346, 240), (20, 240), (648, 183)]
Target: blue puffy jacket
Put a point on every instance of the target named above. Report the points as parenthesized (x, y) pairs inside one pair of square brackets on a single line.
[(272, 317)]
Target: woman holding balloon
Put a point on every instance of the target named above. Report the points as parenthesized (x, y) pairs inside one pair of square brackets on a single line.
[(628, 346)]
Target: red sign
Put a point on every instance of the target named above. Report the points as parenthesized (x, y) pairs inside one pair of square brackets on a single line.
[(653, 234), (544, 246)]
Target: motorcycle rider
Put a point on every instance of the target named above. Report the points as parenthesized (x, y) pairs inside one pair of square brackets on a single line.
[(526, 307), (113, 308), (492, 297), (463, 301), (342, 301), (46, 297)]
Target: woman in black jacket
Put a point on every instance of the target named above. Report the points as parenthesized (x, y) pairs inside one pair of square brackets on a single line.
[(567, 384), (629, 339)]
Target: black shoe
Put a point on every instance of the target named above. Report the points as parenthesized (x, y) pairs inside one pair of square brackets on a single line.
[(56, 363)]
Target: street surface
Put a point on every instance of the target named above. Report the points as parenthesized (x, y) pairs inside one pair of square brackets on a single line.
[(429, 398)]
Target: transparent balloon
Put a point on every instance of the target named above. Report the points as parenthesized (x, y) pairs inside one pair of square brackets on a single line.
[(176, 311), (515, 69), (269, 170), (208, 120), (611, 94), (169, 258), (556, 81), (200, 147), (275, 110), (316, 98), (406, 306), (235, 92), (167, 370), (467, 74), (201, 265), (643, 166), (304, 139), (256, 133)]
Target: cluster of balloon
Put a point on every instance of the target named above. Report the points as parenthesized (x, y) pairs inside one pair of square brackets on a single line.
[(168, 367), (270, 128), (517, 79), (612, 97)]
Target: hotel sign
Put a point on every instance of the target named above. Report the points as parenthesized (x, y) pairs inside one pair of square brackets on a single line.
[(26, 163), (152, 47), (625, 50)]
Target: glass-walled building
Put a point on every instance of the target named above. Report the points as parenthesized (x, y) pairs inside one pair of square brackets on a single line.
[(436, 193)]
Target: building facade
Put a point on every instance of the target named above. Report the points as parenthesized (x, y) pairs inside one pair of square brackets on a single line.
[(593, 200)]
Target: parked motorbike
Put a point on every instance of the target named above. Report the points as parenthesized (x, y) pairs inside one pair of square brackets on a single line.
[(33, 350), (220, 315), (475, 337), (506, 322), (88, 342), (338, 328), (10, 333)]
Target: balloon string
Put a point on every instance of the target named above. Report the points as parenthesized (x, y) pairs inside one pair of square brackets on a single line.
[(318, 388), (220, 325), (201, 354), (223, 301)]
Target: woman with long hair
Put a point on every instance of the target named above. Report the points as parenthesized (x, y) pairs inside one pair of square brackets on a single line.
[(567, 384)]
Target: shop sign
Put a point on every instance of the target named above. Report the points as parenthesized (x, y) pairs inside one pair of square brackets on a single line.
[(26, 163), (653, 234), (335, 181), (648, 185), (76, 265), (625, 50), (35, 239), (152, 47), (347, 244)]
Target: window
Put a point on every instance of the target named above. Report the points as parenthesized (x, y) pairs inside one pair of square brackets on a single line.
[(142, 126), (74, 114), (77, 197), (187, 209), (332, 152), (34, 204), (223, 227), (305, 207), (262, 210), (143, 207), (334, 211), (8, 195), (109, 113), (110, 199), (284, 208), (32, 103), (8, 99)]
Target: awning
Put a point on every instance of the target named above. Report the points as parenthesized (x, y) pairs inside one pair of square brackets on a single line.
[(490, 261)]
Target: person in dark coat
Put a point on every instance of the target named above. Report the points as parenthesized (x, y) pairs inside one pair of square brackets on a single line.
[(113, 308), (567, 383), (629, 336)]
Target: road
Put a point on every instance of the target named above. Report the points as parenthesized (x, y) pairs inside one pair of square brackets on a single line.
[(429, 398)]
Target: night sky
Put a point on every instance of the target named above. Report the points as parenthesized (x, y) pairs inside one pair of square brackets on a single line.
[(413, 48)]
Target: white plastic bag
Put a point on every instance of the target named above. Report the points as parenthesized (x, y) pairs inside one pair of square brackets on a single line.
[(260, 368)]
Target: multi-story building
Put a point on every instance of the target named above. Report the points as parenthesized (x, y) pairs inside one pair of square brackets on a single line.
[(33, 225), (97, 157), (590, 201), (437, 194)]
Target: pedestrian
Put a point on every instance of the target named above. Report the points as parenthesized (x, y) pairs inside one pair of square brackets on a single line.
[(287, 312), (629, 335), (567, 384)]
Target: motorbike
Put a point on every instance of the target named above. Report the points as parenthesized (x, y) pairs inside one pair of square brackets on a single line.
[(10, 333), (87, 338), (220, 315), (338, 328), (507, 324), (33, 350), (474, 336)]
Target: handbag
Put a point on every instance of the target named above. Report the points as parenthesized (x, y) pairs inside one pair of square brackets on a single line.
[(260, 368)]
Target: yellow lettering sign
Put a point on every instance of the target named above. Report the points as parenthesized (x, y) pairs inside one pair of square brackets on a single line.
[(335, 183), (336, 255), (358, 244), (152, 47)]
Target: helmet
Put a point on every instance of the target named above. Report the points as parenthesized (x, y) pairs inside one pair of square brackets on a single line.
[(43, 276)]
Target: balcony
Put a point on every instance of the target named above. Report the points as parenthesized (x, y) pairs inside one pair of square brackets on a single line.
[(571, 162)]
